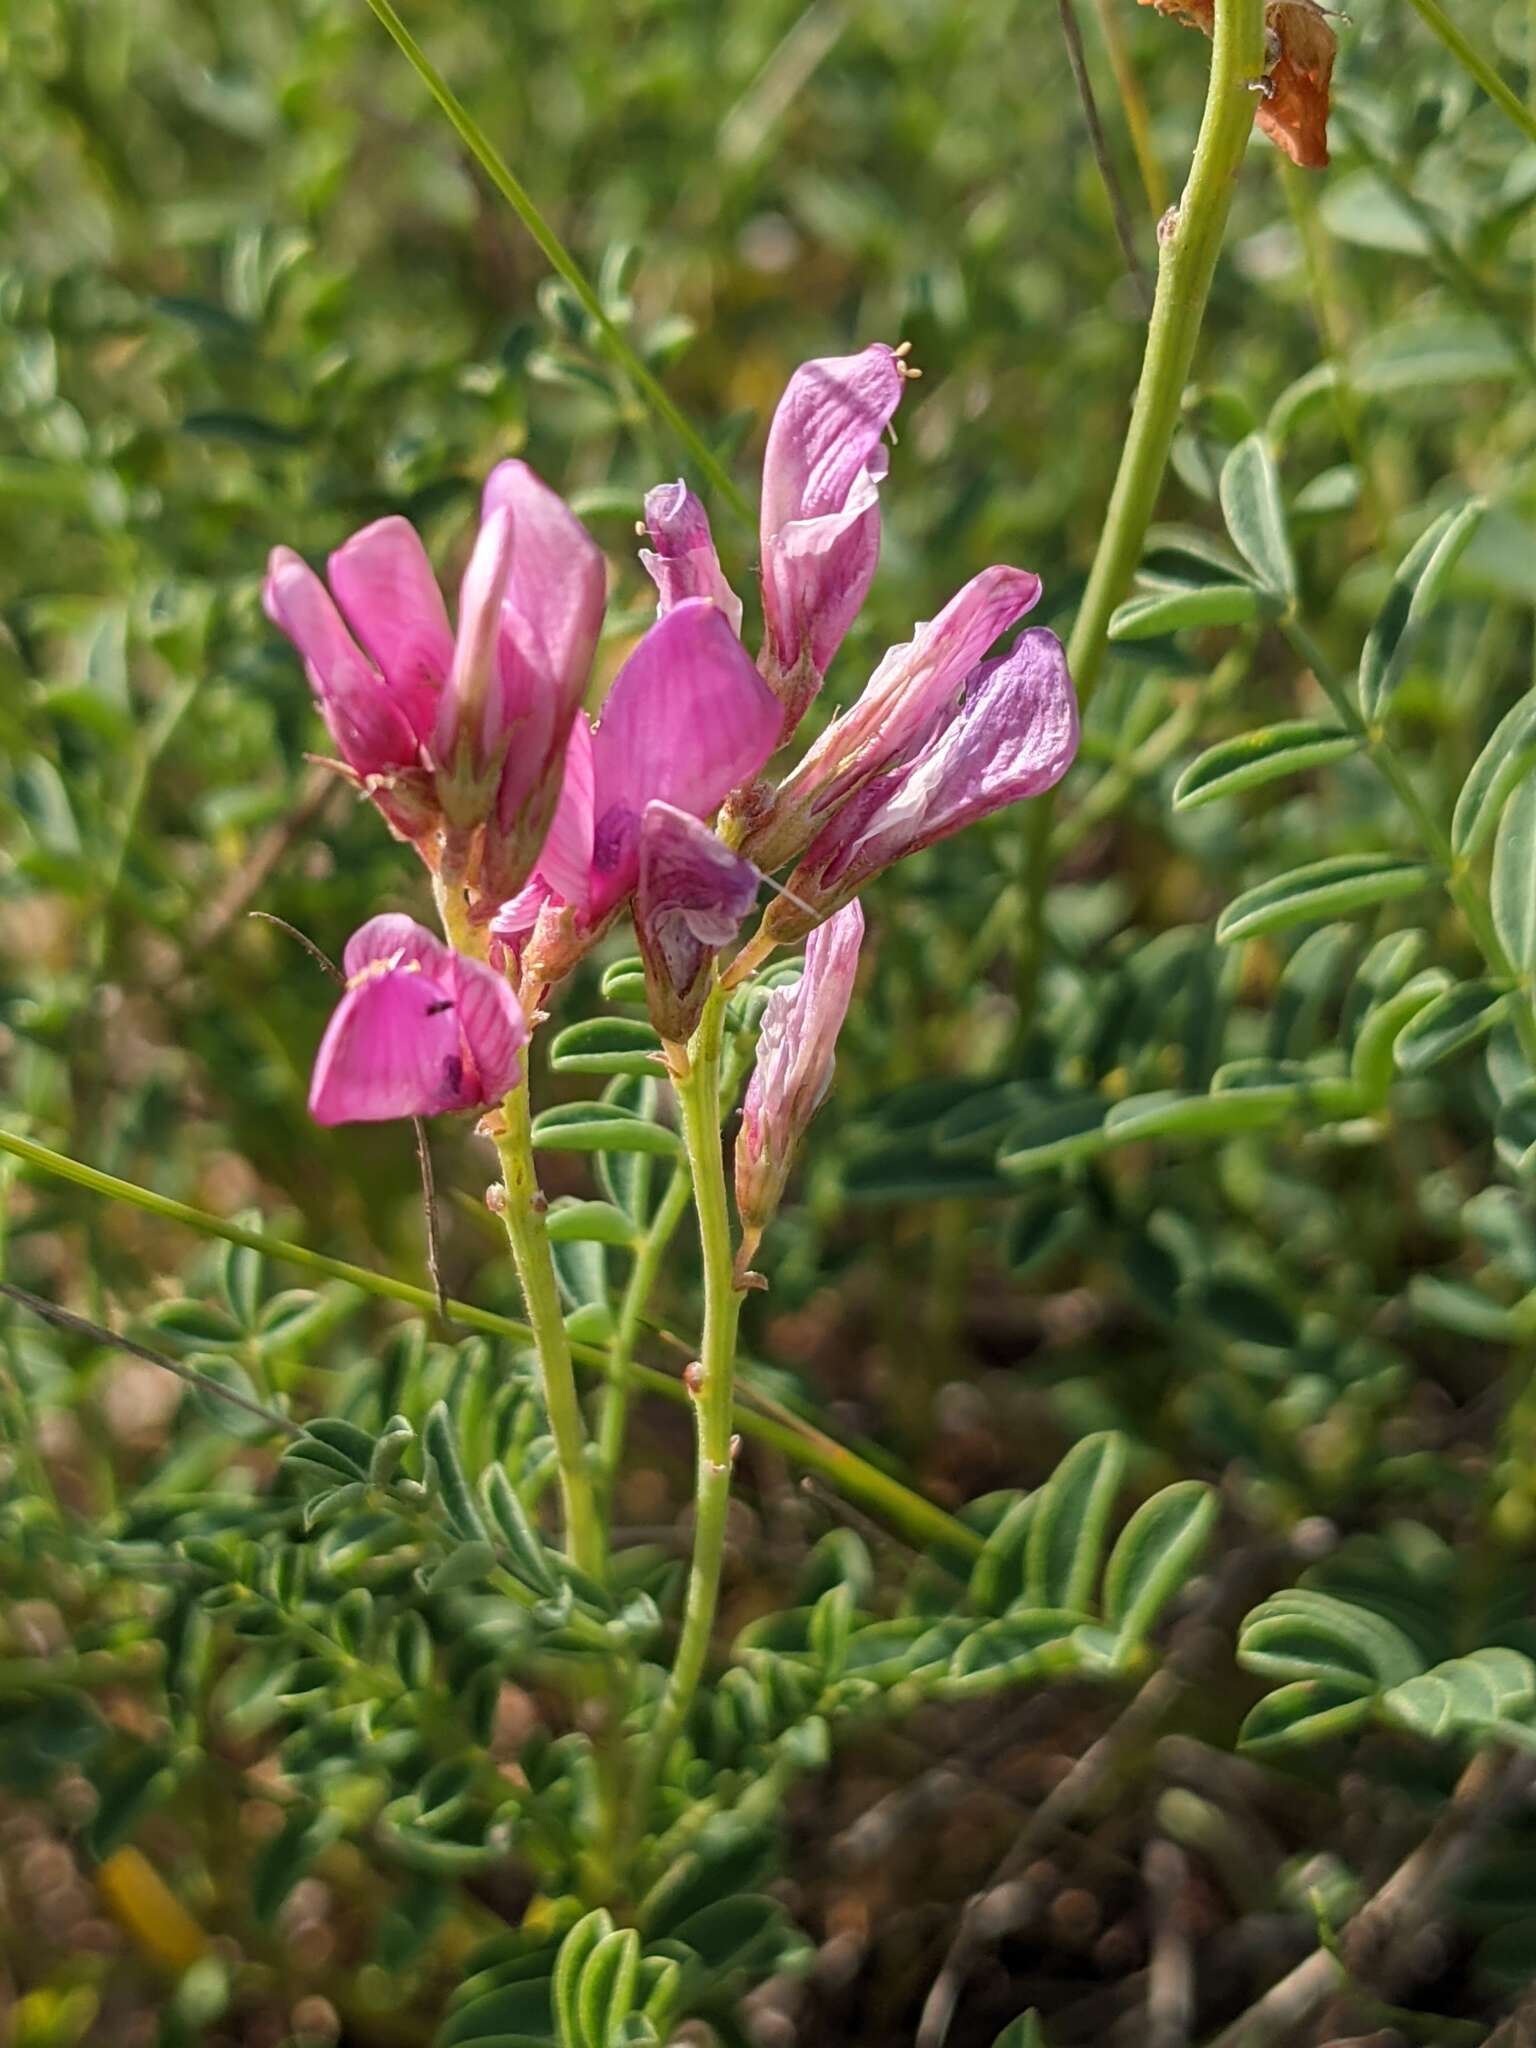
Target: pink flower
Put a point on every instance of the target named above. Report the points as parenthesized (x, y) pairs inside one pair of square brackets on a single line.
[(690, 900), (1012, 734), (688, 717), (459, 739), (684, 563), (915, 684), (421, 1030), (795, 1049), (821, 515)]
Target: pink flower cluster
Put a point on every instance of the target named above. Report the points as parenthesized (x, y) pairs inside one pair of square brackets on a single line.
[(473, 743)]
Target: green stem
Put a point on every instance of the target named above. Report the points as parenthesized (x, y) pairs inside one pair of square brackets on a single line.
[(699, 1097), (1188, 245), (807, 1446), (523, 204), (1472, 61), (637, 1295), (523, 1213)]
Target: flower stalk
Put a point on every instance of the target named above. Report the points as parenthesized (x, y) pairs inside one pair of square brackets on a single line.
[(522, 1211)]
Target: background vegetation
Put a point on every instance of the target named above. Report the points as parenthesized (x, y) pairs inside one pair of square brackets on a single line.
[(254, 292)]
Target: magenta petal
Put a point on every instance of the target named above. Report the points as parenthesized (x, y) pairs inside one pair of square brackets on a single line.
[(391, 1050), (473, 718), (820, 517), (565, 859), (691, 897), (682, 562), (795, 1049), (396, 939), (555, 593), (385, 586), (491, 1031), (688, 718), (372, 733)]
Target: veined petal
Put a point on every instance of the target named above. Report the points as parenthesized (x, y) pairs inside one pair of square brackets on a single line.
[(372, 733), (682, 561), (820, 514), (691, 897), (687, 719), (491, 1030), (565, 859), (384, 585), (396, 939), (391, 1050), (472, 722)]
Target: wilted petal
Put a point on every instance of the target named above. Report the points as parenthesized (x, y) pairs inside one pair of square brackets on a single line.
[(371, 731), (691, 896), (795, 1050), (1014, 736), (681, 561), (687, 719), (820, 513), (384, 585), (912, 690)]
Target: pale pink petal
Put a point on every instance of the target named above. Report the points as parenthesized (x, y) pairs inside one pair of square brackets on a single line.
[(691, 897), (372, 733), (391, 1050), (909, 694), (472, 720), (688, 718), (682, 561), (384, 584), (820, 513), (491, 1029), (796, 1046)]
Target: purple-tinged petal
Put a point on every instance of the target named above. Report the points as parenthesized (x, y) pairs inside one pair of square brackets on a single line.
[(820, 514), (391, 1050), (795, 1050), (371, 731), (682, 561), (491, 1031), (690, 899), (1014, 736), (909, 694), (384, 585), (687, 719)]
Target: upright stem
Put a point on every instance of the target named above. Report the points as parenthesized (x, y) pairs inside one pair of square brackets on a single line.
[(1189, 242), (637, 1295), (523, 1214), (699, 1095)]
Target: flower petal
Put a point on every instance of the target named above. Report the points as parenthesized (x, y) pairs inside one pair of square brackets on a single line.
[(391, 1050), (565, 859), (385, 587), (395, 938), (687, 719), (820, 514), (491, 1029), (372, 733), (684, 562), (691, 897)]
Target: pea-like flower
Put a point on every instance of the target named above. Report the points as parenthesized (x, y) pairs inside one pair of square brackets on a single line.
[(692, 895), (1010, 733), (820, 531), (421, 1030), (681, 560), (458, 738), (795, 1049), (686, 719)]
